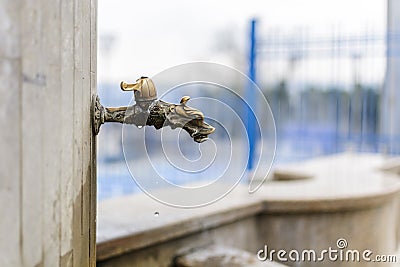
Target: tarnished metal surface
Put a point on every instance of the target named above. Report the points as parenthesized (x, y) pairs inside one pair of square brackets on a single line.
[(152, 112), (144, 88), (97, 114)]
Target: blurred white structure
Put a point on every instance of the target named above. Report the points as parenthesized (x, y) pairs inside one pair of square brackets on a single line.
[(390, 106)]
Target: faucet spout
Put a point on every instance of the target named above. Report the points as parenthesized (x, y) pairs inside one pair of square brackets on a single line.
[(151, 112)]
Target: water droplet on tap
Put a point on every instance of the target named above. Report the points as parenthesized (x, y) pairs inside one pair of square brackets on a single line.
[(156, 214)]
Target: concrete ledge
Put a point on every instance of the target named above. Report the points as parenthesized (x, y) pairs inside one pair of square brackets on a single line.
[(125, 228), (279, 206), (392, 166)]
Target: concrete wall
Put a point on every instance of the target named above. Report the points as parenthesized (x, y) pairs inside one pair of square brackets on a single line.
[(47, 181), (369, 228)]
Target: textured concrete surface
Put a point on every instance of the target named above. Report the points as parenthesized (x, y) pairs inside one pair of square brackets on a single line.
[(47, 76)]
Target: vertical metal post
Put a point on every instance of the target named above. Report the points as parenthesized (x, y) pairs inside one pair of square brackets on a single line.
[(250, 96)]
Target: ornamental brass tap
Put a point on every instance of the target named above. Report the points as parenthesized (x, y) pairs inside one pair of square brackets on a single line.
[(150, 111)]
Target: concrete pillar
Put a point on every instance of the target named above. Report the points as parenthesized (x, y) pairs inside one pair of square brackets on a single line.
[(47, 155), (390, 104)]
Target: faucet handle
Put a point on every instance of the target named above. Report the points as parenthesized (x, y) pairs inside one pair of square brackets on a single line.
[(129, 86), (144, 88)]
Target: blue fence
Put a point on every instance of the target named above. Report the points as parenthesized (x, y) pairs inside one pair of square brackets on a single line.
[(342, 111)]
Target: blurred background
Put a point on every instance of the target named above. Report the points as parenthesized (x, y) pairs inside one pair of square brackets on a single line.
[(327, 68)]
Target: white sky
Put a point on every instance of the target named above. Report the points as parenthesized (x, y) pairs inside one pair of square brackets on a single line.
[(151, 35)]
